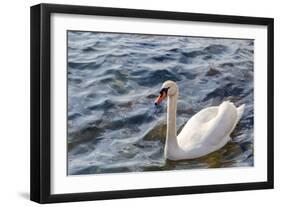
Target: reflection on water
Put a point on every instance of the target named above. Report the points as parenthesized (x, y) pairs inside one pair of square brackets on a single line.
[(113, 80)]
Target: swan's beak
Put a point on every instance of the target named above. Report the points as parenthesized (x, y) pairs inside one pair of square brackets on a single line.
[(160, 98)]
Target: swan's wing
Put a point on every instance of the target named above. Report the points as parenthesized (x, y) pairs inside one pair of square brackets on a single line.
[(205, 115), (210, 127), (220, 127), (193, 131)]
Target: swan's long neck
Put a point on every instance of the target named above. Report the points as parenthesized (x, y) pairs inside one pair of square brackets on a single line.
[(171, 135)]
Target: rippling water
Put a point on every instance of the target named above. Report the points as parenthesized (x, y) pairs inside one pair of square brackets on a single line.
[(113, 80)]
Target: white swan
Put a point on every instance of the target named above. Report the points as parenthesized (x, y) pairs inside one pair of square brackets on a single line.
[(205, 132)]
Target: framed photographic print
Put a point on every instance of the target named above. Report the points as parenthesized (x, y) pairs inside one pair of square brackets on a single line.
[(132, 103)]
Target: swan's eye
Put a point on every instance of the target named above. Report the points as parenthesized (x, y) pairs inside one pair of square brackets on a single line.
[(163, 90), (162, 96)]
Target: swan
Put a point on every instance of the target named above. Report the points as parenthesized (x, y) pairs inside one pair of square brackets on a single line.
[(205, 132)]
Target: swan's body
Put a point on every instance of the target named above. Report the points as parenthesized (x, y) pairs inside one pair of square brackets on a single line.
[(205, 132)]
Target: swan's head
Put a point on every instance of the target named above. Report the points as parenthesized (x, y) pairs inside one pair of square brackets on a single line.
[(169, 88)]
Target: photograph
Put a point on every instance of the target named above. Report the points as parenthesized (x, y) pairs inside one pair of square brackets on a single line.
[(153, 102), (129, 103)]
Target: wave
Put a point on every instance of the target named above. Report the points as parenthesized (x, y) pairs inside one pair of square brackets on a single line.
[(113, 80)]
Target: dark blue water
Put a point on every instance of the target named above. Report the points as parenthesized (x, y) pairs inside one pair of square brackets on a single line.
[(113, 80)]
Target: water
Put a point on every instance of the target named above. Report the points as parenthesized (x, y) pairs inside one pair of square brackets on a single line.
[(113, 80)]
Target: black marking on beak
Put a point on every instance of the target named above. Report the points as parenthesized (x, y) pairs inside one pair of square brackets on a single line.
[(164, 90)]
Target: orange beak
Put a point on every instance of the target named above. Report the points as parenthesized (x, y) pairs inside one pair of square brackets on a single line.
[(160, 98)]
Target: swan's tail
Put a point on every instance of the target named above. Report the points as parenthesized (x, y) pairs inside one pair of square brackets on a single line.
[(240, 111)]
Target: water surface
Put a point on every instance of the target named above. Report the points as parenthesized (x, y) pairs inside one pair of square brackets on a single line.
[(113, 80)]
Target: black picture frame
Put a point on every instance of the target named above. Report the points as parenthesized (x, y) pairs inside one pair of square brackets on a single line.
[(40, 184)]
